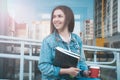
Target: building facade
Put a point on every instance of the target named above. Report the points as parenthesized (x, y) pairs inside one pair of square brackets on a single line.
[(107, 21), (88, 32), (99, 18), (39, 30)]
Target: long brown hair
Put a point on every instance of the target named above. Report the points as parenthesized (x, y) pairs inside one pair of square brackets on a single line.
[(69, 18)]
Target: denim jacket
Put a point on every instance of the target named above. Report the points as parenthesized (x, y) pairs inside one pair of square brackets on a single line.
[(47, 54)]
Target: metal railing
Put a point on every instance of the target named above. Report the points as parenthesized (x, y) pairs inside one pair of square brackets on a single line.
[(30, 44)]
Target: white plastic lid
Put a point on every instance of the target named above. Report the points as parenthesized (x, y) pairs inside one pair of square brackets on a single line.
[(96, 67)]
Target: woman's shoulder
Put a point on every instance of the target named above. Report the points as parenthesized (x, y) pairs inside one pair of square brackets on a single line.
[(50, 40), (49, 37)]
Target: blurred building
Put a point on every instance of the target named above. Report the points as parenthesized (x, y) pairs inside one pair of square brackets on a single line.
[(112, 25), (40, 29), (77, 28), (107, 22), (4, 18), (88, 32), (4, 28), (11, 27), (21, 30), (4, 21)]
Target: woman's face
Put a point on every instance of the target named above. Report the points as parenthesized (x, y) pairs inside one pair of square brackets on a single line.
[(58, 19)]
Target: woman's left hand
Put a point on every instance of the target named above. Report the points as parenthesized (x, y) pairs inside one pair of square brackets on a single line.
[(86, 73)]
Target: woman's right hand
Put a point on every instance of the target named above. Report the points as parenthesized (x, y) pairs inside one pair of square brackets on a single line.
[(73, 71)]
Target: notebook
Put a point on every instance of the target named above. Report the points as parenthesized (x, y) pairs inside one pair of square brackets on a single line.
[(65, 58)]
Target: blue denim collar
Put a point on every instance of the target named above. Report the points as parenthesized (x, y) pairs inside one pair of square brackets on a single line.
[(58, 38)]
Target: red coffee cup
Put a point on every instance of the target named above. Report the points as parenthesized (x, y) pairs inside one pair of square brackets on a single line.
[(94, 71)]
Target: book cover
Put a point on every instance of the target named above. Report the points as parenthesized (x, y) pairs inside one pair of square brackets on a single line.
[(65, 58)]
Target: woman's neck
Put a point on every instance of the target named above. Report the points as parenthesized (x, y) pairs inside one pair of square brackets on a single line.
[(65, 35), (64, 32)]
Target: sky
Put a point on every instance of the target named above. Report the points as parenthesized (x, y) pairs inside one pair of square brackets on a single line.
[(31, 10)]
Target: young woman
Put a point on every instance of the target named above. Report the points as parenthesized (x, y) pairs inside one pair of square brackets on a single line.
[(62, 25)]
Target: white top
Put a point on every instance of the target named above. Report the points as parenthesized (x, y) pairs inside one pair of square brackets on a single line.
[(65, 39)]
